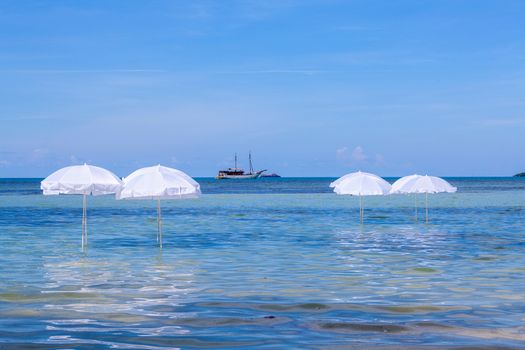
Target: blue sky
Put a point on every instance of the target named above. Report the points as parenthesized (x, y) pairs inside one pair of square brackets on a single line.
[(312, 88)]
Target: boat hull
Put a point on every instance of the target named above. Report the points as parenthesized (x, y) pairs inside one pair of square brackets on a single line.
[(240, 177)]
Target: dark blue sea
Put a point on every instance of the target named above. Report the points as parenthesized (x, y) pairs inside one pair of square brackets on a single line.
[(276, 263)]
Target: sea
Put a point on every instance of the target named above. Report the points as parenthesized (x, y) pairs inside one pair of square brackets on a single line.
[(275, 263)]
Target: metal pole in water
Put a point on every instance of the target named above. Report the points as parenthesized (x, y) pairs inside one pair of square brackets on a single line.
[(415, 203), (158, 219), (159, 222), (363, 216), (85, 209), (426, 204), (361, 213), (84, 222)]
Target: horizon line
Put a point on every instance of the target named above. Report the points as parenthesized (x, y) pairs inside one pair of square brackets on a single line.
[(300, 177)]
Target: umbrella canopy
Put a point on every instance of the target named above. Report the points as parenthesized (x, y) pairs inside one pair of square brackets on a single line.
[(361, 184), (429, 184), (159, 182), (403, 185), (81, 179), (350, 175), (422, 184)]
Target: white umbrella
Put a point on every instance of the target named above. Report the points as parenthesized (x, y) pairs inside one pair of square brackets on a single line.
[(361, 184), (81, 179), (427, 184), (349, 175), (159, 182), (403, 185)]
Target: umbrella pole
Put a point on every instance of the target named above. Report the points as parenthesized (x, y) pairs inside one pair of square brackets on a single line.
[(415, 203), (159, 223), (85, 214), (361, 211), (83, 221), (426, 204), (363, 216)]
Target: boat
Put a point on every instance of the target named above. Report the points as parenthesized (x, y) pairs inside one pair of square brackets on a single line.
[(238, 173), (271, 175)]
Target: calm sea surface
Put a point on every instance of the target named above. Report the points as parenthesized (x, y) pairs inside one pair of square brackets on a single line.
[(269, 264)]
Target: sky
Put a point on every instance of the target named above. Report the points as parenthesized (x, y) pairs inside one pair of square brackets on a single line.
[(310, 87)]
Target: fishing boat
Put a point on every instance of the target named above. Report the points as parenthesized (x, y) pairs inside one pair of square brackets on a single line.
[(238, 173)]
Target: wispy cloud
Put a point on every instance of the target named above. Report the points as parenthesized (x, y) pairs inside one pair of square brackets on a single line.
[(38, 154), (73, 159), (503, 122), (260, 10), (358, 156), (355, 28), (80, 71), (355, 155), (341, 153), (276, 71), (379, 159), (380, 57), (207, 17), (20, 118)]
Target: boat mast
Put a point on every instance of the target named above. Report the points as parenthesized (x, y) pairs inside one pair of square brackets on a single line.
[(235, 160), (251, 166)]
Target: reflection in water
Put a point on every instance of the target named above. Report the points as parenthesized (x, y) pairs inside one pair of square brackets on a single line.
[(131, 295)]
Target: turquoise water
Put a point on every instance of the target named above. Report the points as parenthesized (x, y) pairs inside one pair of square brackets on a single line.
[(275, 263)]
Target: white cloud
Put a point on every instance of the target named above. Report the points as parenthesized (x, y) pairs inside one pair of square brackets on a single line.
[(342, 153), (38, 153), (358, 154), (74, 160), (351, 156), (380, 160)]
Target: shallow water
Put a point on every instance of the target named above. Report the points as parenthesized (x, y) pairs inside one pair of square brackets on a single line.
[(276, 263)]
